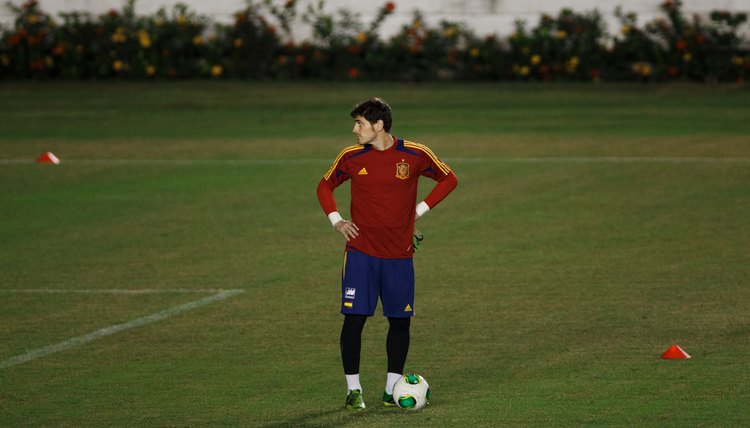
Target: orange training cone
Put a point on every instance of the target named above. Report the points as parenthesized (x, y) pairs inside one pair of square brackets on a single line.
[(48, 157), (673, 352)]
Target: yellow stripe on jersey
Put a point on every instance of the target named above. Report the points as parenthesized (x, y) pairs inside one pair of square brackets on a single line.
[(346, 150), (443, 167)]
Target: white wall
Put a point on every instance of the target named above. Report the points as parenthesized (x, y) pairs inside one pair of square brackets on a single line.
[(484, 16)]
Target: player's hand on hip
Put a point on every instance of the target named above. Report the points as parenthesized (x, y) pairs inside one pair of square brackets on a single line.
[(347, 228)]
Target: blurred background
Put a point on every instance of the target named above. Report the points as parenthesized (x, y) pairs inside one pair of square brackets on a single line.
[(410, 40)]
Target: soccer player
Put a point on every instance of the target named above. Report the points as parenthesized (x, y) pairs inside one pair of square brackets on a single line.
[(384, 171)]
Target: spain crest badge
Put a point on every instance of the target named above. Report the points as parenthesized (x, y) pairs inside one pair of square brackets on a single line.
[(402, 170)]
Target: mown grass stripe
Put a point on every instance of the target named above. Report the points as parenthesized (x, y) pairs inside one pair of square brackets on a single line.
[(302, 161)]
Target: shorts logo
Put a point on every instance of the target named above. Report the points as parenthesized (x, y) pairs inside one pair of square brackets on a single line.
[(407, 308), (402, 170), (350, 292), (348, 304)]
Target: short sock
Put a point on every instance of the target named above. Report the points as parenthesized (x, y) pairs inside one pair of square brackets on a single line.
[(352, 382), (390, 381)]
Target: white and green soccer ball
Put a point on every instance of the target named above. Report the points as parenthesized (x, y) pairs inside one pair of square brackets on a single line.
[(411, 392)]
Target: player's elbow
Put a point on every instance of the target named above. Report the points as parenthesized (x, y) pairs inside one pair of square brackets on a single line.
[(452, 180)]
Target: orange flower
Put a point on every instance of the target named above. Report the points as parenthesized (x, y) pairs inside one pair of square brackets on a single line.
[(37, 65), (680, 45), (15, 39), (58, 50), (353, 72), (389, 7), (217, 70)]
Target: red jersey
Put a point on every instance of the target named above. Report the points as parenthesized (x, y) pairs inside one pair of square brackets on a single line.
[(384, 193)]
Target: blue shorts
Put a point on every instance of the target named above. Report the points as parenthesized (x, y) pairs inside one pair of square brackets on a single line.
[(365, 278)]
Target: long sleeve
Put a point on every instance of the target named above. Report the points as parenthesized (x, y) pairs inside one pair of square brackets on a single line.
[(441, 189), (325, 196)]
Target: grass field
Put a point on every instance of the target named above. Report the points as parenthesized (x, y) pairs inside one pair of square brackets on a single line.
[(176, 270)]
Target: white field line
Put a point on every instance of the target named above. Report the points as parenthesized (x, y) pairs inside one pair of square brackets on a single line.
[(602, 159), (449, 160), (176, 162), (112, 291), (107, 331)]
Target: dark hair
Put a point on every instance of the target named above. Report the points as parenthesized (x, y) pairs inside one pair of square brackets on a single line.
[(373, 110)]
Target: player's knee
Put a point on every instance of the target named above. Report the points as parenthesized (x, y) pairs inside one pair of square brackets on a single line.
[(400, 324), (354, 322)]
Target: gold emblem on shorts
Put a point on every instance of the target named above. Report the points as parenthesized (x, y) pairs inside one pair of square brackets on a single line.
[(402, 170)]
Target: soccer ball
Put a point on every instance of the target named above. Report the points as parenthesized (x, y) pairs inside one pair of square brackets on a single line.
[(411, 392)]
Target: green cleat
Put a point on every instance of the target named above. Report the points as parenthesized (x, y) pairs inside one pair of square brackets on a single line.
[(354, 400), (388, 399)]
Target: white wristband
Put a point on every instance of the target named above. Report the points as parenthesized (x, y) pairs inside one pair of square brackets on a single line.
[(335, 217), (422, 209)]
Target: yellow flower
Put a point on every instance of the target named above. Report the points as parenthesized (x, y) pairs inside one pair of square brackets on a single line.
[(361, 37), (536, 59), (642, 68), (50, 62), (144, 39), (450, 32), (625, 29), (524, 71), (417, 23), (687, 57), (119, 35), (150, 70), (572, 64), (181, 20), (474, 52), (561, 34), (197, 40), (117, 65), (738, 60), (158, 21), (32, 19), (217, 70)]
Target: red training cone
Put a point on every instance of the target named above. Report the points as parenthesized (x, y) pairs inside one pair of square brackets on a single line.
[(48, 157), (673, 352)]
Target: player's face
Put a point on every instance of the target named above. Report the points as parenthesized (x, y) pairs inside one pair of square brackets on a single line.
[(364, 131)]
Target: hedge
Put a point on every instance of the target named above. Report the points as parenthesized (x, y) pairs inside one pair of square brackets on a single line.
[(177, 42)]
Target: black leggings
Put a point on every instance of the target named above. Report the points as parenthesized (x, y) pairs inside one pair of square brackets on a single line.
[(396, 345)]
